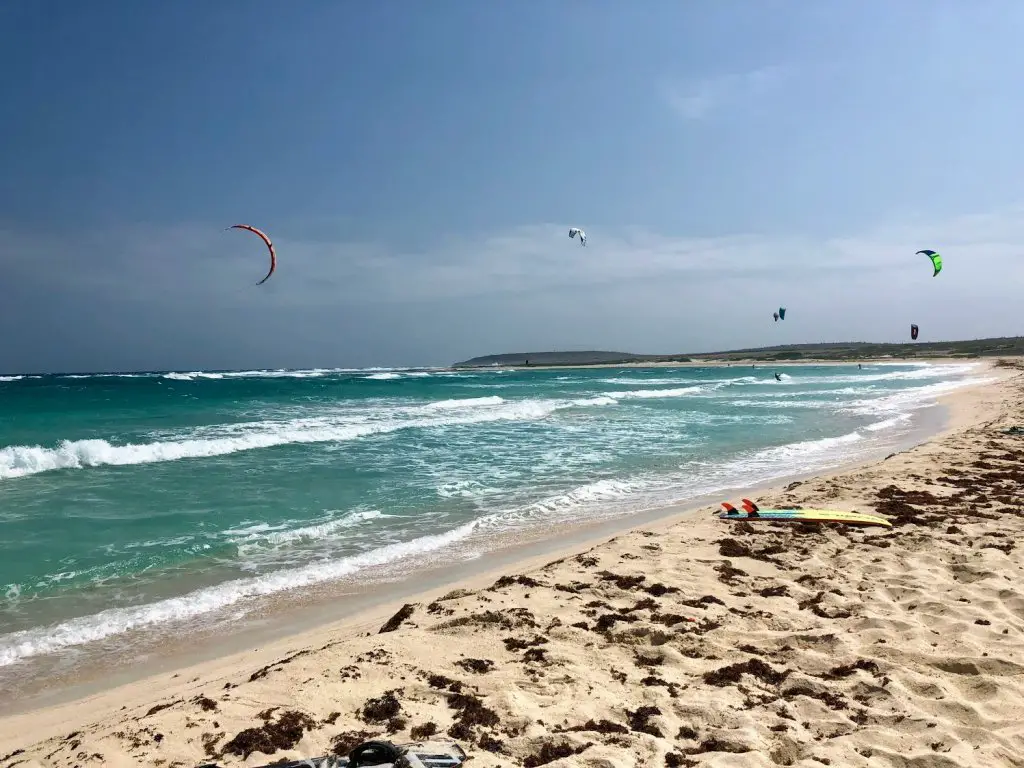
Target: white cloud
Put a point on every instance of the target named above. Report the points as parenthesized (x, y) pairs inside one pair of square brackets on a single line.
[(193, 261), (697, 98), (528, 288)]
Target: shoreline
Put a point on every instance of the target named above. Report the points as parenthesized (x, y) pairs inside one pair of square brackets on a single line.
[(34, 725), (456, 367), (50, 682), (988, 361), (345, 600)]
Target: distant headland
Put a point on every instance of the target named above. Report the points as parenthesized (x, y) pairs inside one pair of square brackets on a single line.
[(854, 351)]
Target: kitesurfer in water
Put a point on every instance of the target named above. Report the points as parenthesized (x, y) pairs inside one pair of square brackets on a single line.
[(778, 377)]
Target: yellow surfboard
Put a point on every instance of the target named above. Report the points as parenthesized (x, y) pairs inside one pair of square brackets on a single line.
[(809, 516)]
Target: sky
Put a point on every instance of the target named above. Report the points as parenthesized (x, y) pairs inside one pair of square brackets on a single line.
[(418, 167)]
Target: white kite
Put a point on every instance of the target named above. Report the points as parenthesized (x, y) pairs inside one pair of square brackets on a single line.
[(573, 231)]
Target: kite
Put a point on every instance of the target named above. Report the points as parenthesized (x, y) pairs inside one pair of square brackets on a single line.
[(270, 247), (913, 331), (782, 313), (936, 260), (776, 316), (573, 231)]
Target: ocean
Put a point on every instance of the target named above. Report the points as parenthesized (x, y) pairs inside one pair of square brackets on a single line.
[(166, 504)]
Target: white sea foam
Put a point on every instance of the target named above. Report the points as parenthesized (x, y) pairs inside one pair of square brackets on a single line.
[(648, 490), (220, 440), (909, 399), (596, 400), (633, 380), (261, 536), (468, 402), (466, 489), (889, 423), (919, 373), (24, 644), (646, 394), (601, 491), (891, 411), (265, 373)]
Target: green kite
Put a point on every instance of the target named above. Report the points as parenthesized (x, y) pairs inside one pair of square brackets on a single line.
[(936, 261)]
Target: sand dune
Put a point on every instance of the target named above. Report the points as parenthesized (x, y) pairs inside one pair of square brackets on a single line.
[(693, 642)]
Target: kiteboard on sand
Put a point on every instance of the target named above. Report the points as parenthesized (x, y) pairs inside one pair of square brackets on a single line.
[(752, 512)]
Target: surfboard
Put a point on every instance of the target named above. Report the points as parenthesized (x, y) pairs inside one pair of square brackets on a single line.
[(810, 516)]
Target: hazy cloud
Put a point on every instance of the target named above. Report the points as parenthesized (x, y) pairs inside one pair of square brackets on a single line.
[(185, 296), (697, 98)]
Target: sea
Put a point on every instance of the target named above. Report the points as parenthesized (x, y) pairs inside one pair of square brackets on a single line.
[(136, 508)]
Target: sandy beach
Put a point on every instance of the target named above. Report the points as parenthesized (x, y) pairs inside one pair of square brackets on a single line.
[(693, 641)]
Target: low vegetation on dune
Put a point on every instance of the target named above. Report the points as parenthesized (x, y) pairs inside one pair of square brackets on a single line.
[(1009, 346)]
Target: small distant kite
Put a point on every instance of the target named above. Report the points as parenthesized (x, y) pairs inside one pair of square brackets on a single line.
[(573, 231), (936, 260), (780, 315), (913, 331), (270, 247)]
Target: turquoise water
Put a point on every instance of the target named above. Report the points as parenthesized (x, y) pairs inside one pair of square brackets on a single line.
[(148, 501)]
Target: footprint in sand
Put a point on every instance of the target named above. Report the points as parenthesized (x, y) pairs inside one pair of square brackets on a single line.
[(877, 622), (977, 666), (977, 690), (966, 575), (1012, 601)]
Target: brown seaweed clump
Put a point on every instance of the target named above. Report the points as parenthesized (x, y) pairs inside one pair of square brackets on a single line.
[(271, 736)]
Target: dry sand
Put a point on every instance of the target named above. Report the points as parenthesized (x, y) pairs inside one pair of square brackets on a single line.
[(692, 642)]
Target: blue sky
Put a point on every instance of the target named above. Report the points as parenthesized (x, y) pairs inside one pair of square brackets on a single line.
[(418, 166)]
